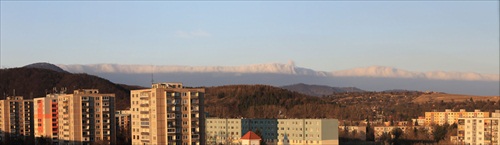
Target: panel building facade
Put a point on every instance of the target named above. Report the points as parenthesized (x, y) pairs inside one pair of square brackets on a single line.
[(85, 117), (168, 113), (450, 117), (16, 120), (478, 131), (46, 117), (123, 120), (274, 131)]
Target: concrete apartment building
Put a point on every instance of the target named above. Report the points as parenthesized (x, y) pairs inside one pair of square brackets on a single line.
[(46, 117), (123, 120), (274, 131), (16, 120), (229, 131), (380, 130), (223, 131), (419, 121), (478, 131), (86, 117), (359, 130), (168, 113), (451, 117), (495, 114)]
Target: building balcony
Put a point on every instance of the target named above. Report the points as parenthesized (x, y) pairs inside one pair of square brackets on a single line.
[(171, 103), (171, 130), (195, 136), (144, 123)]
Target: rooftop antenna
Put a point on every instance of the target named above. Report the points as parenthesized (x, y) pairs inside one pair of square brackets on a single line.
[(152, 76)]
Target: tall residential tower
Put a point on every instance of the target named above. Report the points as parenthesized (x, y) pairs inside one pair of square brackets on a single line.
[(168, 113), (86, 116), (16, 120), (46, 114)]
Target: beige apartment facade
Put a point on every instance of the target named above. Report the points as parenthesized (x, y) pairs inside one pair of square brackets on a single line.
[(46, 117), (123, 120), (450, 117), (86, 117), (16, 120), (167, 113), (478, 131)]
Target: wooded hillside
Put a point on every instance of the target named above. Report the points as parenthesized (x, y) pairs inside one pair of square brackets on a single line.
[(35, 82)]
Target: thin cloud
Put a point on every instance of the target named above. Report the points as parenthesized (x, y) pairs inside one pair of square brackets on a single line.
[(192, 34)]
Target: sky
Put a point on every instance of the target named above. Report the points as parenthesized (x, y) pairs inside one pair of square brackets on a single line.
[(457, 36)]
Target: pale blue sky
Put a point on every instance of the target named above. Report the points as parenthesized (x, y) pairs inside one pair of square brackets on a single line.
[(324, 35)]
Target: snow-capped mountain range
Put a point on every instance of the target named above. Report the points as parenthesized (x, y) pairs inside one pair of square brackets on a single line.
[(276, 68)]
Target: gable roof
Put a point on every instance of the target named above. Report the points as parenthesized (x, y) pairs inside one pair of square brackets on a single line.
[(251, 136)]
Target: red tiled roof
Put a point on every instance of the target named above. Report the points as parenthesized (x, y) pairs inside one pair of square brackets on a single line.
[(251, 136)]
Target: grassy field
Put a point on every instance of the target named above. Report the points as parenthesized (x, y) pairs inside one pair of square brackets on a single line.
[(437, 97)]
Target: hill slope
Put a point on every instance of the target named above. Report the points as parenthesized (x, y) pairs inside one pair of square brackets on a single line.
[(36, 82), (319, 90), (438, 97), (261, 101), (43, 65)]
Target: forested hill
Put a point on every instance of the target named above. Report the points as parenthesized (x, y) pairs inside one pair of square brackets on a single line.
[(320, 90), (36, 82), (262, 101)]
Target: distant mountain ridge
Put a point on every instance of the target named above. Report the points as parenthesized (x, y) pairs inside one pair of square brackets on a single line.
[(44, 65), (319, 90), (257, 68), (276, 68), (375, 78)]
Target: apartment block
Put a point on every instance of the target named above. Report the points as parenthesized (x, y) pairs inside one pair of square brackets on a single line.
[(223, 131), (123, 120), (16, 120), (360, 131), (419, 121), (267, 128), (451, 117), (495, 114), (86, 117), (478, 131), (168, 113), (229, 131), (380, 130), (274, 131), (46, 117)]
